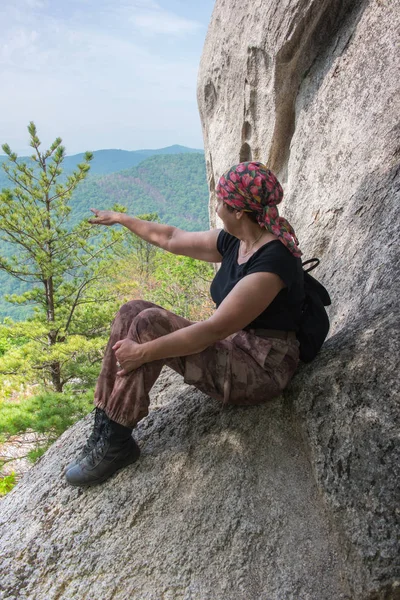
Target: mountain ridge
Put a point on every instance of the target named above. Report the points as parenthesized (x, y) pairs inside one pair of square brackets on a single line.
[(106, 161), (172, 185)]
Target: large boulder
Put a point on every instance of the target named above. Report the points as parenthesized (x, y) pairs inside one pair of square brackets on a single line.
[(222, 504), (296, 499), (311, 88)]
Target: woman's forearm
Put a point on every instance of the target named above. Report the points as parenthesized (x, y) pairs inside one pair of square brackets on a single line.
[(154, 233), (188, 340)]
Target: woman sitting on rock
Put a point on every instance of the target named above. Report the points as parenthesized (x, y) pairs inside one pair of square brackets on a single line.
[(245, 353)]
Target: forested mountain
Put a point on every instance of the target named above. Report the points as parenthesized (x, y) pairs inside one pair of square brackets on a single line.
[(107, 161), (111, 161), (172, 185)]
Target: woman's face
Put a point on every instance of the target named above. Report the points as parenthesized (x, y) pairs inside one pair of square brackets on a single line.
[(221, 210), (227, 217)]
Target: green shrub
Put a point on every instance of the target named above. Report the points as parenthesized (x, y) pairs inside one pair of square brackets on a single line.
[(7, 483), (49, 413)]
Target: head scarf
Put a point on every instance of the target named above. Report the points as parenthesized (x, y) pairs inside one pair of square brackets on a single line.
[(251, 187)]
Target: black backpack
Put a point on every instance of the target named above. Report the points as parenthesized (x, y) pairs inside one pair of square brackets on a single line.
[(314, 322)]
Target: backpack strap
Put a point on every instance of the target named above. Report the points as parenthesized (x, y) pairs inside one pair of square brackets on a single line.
[(307, 262), (314, 323)]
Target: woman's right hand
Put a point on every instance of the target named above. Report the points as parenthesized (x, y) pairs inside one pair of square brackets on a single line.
[(104, 217)]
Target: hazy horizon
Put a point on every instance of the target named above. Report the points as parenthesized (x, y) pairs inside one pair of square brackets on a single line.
[(102, 74), (30, 151)]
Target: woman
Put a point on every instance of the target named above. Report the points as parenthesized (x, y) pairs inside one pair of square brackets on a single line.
[(245, 353)]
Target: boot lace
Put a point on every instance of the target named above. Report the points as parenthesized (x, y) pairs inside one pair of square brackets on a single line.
[(100, 448), (99, 418)]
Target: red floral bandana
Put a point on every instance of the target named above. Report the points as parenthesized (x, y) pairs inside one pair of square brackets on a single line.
[(251, 187)]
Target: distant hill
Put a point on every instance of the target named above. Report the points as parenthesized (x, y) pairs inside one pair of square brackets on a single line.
[(172, 185), (107, 161), (111, 161)]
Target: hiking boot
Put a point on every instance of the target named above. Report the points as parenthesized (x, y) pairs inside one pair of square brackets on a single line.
[(115, 449), (100, 419)]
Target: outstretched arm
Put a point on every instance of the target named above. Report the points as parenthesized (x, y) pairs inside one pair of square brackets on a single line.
[(248, 299), (199, 244)]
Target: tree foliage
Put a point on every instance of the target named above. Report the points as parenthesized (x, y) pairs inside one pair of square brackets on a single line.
[(75, 277), (62, 266), (7, 483), (178, 283), (173, 186), (48, 414)]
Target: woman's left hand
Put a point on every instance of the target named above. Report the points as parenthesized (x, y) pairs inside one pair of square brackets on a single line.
[(129, 355)]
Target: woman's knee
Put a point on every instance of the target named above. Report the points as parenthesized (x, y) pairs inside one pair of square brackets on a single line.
[(134, 307), (151, 323)]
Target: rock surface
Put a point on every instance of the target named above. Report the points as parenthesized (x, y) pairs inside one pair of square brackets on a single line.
[(222, 504), (311, 88), (294, 500)]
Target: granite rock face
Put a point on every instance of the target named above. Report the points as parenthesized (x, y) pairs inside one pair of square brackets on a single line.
[(222, 504), (311, 88), (297, 499)]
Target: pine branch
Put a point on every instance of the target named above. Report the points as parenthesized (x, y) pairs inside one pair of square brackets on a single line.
[(91, 280), (26, 208), (35, 143), (102, 249), (30, 174), (20, 274), (20, 243), (12, 227), (56, 144), (65, 192), (57, 164), (18, 183), (75, 304)]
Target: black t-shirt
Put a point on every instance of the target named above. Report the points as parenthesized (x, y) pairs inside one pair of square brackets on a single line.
[(284, 311)]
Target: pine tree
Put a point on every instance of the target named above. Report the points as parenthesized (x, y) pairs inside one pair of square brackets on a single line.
[(62, 265)]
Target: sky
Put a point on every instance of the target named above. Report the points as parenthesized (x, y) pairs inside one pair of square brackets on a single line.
[(101, 73)]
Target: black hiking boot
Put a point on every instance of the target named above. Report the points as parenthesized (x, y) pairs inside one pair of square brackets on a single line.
[(115, 449), (100, 419)]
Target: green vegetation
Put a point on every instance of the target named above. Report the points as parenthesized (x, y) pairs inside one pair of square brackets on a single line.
[(174, 186), (50, 413), (7, 483), (178, 283), (47, 413), (109, 161), (73, 277), (62, 266)]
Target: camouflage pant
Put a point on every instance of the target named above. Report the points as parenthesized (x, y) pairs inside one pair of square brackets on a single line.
[(241, 369)]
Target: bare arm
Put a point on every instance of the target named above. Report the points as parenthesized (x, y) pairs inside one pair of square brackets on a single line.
[(199, 244), (248, 299)]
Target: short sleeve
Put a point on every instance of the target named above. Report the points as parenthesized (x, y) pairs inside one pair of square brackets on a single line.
[(224, 240)]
